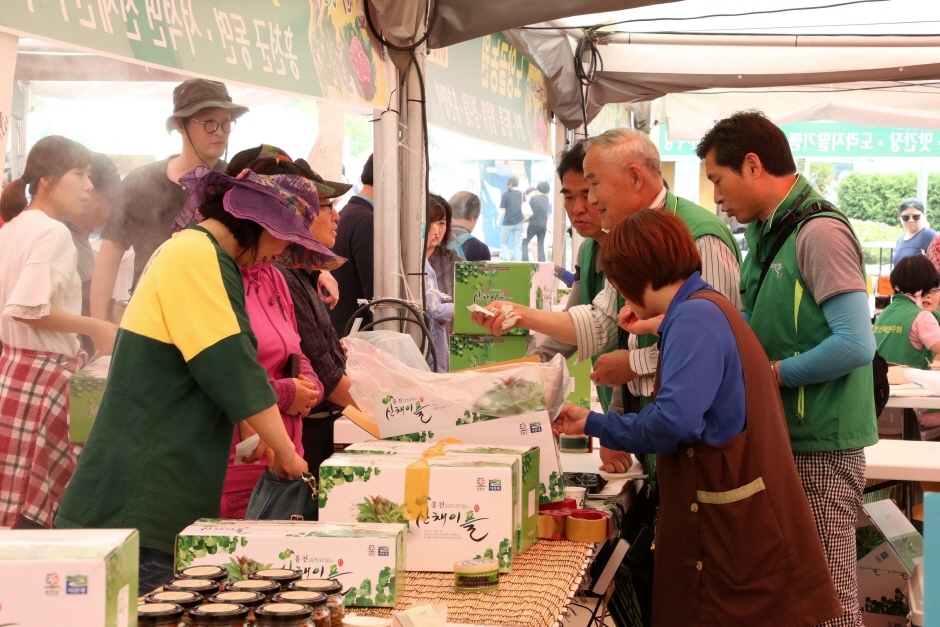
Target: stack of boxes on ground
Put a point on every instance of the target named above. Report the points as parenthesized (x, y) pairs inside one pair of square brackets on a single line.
[(888, 548), (481, 283), (465, 460)]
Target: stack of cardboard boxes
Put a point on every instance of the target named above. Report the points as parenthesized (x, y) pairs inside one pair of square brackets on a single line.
[(481, 283)]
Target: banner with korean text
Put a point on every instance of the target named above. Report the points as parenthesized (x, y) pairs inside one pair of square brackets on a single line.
[(486, 89), (319, 48), (837, 140)]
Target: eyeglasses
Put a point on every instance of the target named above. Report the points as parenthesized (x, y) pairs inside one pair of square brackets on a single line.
[(327, 205), (915, 217), (934, 290), (212, 126)]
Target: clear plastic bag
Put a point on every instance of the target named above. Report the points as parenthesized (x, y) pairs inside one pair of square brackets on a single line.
[(401, 399), (401, 346)]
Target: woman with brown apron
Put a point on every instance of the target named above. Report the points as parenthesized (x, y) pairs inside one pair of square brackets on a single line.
[(735, 538)]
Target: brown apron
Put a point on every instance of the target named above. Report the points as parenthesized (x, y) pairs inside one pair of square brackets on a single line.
[(735, 541)]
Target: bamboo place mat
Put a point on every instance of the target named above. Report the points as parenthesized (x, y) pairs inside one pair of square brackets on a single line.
[(536, 593)]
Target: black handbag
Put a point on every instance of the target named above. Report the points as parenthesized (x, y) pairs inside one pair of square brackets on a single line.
[(274, 498)]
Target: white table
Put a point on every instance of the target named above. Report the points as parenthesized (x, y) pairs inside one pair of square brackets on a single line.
[(903, 460)]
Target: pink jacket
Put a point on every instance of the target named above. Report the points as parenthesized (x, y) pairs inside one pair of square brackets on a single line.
[(271, 313)]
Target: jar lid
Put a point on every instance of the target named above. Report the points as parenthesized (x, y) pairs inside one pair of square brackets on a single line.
[(307, 597), (153, 611), (258, 585), (248, 598), (219, 611), (180, 597), (215, 573), (328, 587), (193, 585), (276, 574), (284, 610)]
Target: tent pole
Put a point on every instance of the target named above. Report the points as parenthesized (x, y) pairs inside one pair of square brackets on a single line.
[(411, 174), (559, 218), (385, 138)]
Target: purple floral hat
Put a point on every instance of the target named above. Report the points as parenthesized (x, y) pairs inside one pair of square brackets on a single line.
[(284, 204)]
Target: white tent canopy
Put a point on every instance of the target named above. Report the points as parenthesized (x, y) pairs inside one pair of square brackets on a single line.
[(697, 45)]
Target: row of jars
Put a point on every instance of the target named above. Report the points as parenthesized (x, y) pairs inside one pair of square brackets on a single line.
[(268, 598)]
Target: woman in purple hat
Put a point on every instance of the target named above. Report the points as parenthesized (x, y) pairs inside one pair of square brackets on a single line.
[(185, 368)]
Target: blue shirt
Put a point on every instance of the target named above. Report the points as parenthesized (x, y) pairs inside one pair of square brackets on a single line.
[(701, 396), (917, 245)]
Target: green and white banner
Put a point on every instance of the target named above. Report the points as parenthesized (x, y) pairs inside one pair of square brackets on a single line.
[(318, 48), (837, 140), (485, 88)]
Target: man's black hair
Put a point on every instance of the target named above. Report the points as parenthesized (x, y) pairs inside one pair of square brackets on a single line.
[(748, 132), (572, 159)]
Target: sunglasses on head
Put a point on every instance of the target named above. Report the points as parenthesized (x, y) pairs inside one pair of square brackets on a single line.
[(914, 216)]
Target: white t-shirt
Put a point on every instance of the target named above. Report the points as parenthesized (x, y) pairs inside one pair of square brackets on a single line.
[(38, 271)]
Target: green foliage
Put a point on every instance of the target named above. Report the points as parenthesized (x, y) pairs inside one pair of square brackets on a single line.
[(821, 176), (471, 417), (466, 272), (358, 130), (868, 231), (421, 436), (867, 539), (876, 197), (189, 548), (362, 595), (379, 509), (332, 476), (896, 606), (240, 567)]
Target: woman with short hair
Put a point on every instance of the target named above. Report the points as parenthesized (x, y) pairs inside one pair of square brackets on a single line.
[(736, 543), (917, 236)]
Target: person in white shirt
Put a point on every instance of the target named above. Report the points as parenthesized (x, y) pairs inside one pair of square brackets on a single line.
[(40, 319)]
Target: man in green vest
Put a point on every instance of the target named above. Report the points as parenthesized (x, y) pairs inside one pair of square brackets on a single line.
[(804, 291), (623, 169), (589, 276)]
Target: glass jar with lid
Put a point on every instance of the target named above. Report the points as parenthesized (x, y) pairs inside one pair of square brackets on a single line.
[(283, 576), (159, 615), (213, 573), (316, 600), (185, 599), (334, 593), (284, 615), (219, 615), (248, 598), (204, 587), (267, 588)]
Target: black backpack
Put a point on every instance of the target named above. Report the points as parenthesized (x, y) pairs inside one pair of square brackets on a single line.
[(879, 367)]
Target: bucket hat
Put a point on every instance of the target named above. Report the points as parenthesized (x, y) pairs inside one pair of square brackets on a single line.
[(200, 93)]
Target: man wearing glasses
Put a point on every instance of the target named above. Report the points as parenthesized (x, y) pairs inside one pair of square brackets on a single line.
[(917, 236), (151, 196)]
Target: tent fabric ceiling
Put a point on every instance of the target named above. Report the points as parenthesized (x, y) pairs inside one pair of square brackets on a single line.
[(679, 52)]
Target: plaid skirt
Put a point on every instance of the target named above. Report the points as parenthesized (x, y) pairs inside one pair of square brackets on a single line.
[(36, 461)]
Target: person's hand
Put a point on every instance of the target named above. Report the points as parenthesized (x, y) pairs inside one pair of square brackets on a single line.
[(628, 321), (615, 461), (103, 337), (306, 396), (494, 324), (613, 369), (571, 420), (289, 469), (328, 289)]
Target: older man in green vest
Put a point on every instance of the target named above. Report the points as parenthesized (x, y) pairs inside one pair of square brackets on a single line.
[(622, 167), (803, 287)]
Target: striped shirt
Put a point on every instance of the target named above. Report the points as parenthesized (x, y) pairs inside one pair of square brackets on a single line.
[(596, 324)]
